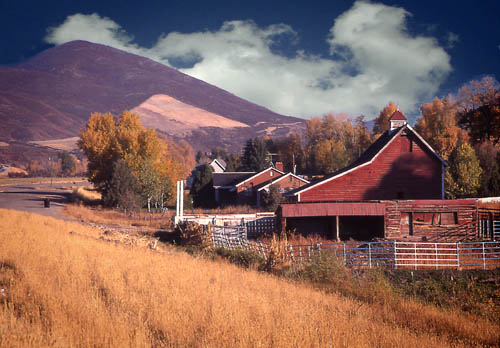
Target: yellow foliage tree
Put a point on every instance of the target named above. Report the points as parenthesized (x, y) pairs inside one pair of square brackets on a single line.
[(104, 141), (438, 125), (381, 123)]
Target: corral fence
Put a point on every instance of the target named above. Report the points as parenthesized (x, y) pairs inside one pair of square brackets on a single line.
[(393, 254), (410, 255), (235, 237)]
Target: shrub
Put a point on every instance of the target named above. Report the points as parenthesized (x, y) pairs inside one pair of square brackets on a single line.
[(241, 257)]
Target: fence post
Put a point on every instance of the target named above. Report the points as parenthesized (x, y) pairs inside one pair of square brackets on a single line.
[(345, 260), (458, 257), (436, 252), (484, 257), (370, 254), (291, 253), (394, 247), (300, 254), (415, 254)]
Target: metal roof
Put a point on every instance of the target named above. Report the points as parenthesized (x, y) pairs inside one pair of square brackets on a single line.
[(333, 209)]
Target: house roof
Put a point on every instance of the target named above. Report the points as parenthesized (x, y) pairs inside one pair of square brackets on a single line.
[(369, 156), (230, 178), (266, 184), (219, 163), (398, 116), (257, 174)]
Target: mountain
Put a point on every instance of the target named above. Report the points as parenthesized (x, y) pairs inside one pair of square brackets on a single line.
[(52, 95)]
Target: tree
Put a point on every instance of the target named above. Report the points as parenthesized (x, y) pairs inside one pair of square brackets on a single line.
[(479, 112), (381, 123), (489, 159), (273, 198), (255, 155), (105, 141), (438, 125), (463, 176), (68, 163), (202, 190), (290, 152), (124, 188), (334, 141)]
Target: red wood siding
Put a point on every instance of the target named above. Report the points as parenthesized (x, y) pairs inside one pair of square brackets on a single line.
[(287, 184), (259, 179), (397, 227), (405, 167)]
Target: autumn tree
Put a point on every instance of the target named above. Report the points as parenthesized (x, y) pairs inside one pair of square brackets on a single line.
[(463, 176), (438, 125), (381, 122), (489, 159), (105, 141), (479, 112), (334, 141), (290, 152)]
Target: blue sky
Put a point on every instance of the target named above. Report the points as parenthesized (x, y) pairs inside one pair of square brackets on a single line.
[(296, 58)]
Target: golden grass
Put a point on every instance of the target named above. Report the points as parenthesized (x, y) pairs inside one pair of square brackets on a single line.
[(63, 287), (100, 215), (87, 195)]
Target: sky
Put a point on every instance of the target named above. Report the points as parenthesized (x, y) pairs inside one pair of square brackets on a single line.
[(298, 58)]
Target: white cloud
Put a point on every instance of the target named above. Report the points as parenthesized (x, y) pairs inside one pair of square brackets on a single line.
[(451, 39), (373, 60)]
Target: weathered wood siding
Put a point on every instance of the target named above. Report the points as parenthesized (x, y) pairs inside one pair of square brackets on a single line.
[(405, 169), (463, 228)]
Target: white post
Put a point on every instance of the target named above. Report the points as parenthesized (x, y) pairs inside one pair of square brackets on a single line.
[(177, 201), (181, 184)]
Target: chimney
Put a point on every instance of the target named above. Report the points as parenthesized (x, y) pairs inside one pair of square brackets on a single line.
[(279, 166)]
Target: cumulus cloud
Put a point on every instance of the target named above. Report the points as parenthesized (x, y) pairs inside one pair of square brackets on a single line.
[(372, 59)]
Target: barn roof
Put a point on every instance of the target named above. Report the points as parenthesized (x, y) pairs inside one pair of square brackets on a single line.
[(257, 174), (266, 184), (398, 116), (230, 178), (369, 155)]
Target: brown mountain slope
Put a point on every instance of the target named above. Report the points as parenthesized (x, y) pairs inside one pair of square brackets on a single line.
[(51, 96)]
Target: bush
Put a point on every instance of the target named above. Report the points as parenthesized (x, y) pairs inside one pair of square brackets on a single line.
[(241, 257), (191, 234)]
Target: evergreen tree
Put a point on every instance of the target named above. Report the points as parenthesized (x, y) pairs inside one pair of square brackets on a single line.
[(255, 156), (202, 190)]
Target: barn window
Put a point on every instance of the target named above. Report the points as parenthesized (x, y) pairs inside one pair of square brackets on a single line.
[(411, 146), (290, 178), (271, 173), (435, 219)]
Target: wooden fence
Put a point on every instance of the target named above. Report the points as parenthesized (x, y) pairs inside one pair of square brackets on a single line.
[(408, 255)]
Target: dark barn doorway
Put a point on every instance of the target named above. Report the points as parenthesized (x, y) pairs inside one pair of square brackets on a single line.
[(362, 228), (315, 225)]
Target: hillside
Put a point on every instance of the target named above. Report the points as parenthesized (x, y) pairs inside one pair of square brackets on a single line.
[(106, 292), (51, 96)]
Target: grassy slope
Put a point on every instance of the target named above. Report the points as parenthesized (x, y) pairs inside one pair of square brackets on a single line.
[(65, 287)]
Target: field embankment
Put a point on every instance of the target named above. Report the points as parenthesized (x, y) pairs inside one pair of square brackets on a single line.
[(63, 286)]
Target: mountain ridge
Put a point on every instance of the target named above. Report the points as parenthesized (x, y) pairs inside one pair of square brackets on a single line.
[(52, 94)]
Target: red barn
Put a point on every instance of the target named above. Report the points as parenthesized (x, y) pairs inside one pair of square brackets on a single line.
[(395, 190), (399, 165)]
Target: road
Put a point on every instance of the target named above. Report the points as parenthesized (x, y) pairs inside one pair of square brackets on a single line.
[(30, 197)]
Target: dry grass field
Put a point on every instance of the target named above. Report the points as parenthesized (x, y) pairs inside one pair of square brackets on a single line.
[(40, 180), (63, 286)]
